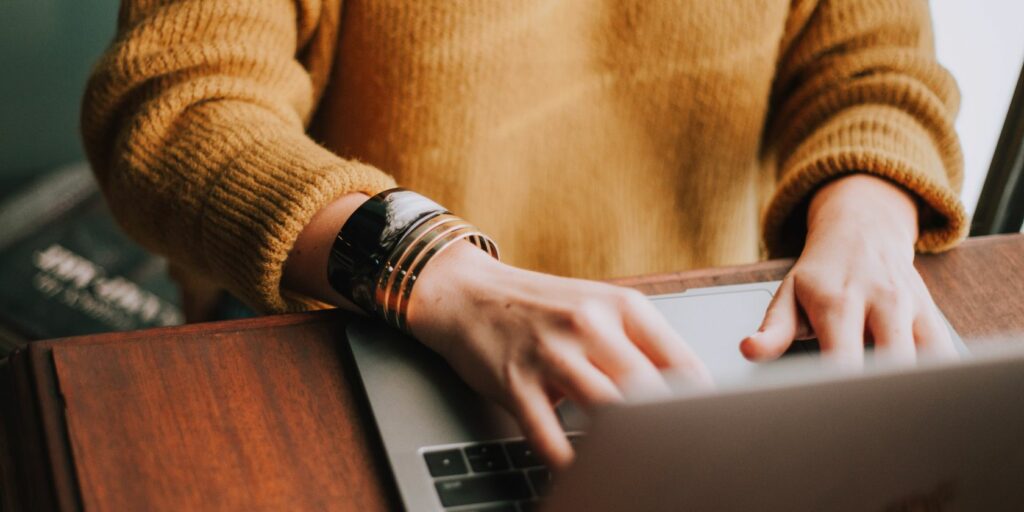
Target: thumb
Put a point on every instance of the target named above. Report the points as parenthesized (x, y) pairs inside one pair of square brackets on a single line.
[(778, 329)]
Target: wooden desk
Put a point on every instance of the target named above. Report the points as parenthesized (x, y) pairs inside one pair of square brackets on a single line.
[(265, 414)]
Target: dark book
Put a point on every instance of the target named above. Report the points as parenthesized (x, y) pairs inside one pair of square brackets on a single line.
[(66, 268)]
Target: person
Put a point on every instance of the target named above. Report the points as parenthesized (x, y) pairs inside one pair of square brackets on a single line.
[(591, 140)]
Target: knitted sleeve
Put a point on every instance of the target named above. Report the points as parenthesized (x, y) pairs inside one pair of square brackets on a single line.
[(194, 122), (858, 89)]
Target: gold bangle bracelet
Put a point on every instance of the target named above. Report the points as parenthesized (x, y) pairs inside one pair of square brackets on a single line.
[(471, 233), (411, 267), (398, 274), (393, 266)]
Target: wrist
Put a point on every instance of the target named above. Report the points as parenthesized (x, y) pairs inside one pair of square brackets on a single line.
[(303, 269), (867, 203), (384, 246), (451, 281)]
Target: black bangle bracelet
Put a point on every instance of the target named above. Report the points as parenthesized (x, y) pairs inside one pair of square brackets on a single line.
[(369, 236)]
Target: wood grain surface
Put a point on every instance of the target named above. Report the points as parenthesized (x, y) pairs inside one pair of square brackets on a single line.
[(229, 421), (266, 414)]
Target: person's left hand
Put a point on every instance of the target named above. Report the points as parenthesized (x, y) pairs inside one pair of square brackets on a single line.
[(855, 281)]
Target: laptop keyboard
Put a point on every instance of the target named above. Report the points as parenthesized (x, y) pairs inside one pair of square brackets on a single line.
[(499, 476), (504, 476)]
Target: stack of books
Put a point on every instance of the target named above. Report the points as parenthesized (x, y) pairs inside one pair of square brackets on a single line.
[(67, 269)]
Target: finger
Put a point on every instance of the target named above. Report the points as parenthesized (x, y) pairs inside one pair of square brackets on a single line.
[(540, 425), (932, 334), (576, 377), (892, 328), (839, 323), (633, 373), (803, 327), (779, 328), (656, 338)]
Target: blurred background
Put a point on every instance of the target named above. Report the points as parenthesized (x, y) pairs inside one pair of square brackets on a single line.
[(982, 44), (46, 50), (65, 267), (48, 46)]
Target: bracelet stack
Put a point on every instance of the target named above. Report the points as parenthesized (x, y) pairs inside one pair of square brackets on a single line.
[(385, 245)]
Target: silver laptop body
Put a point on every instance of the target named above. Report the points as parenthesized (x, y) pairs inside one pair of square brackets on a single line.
[(424, 412), (936, 437)]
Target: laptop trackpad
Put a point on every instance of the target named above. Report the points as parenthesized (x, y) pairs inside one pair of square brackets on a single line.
[(713, 321), (405, 380)]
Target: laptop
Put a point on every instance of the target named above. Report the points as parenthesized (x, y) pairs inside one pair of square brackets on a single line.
[(768, 438)]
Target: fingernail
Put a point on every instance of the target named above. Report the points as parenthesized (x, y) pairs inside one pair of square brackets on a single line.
[(749, 346)]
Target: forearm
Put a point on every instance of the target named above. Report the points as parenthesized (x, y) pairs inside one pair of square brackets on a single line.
[(858, 90), (194, 124), (305, 270), (869, 203)]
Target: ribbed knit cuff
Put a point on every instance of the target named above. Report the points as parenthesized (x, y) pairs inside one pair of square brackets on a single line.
[(882, 141), (256, 210)]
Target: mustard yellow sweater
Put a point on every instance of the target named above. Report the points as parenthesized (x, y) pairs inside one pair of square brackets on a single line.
[(590, 138)]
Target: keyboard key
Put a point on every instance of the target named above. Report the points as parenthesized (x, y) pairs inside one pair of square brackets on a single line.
[(484, 458), (540, 479), (522, 455), (483, 489), (445, 463)]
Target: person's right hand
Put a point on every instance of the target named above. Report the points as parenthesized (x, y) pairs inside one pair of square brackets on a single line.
[(527, 339)]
